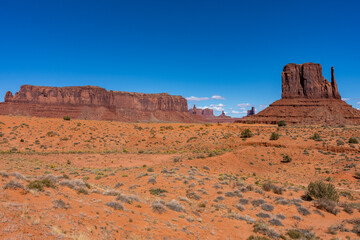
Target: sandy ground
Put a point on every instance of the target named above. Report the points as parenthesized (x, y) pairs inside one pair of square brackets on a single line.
[(113, 180)]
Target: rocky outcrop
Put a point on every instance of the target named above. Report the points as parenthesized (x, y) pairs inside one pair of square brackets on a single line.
[(307, 98), (208, 115), (89, 102), (206, 112), (306, 81)]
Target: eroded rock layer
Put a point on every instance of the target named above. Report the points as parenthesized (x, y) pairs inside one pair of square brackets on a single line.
[(307, 98), (89, 102)]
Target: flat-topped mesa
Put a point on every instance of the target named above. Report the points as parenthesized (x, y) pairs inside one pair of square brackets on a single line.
[(306, 81), (96, 96)]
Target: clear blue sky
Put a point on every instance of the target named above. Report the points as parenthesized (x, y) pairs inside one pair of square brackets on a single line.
[(233, 49)]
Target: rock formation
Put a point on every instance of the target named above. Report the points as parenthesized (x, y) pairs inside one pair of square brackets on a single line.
[(89, 102), (207, 112), (306, 81), (307, 98)]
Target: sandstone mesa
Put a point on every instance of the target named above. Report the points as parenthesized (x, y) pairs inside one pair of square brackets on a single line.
[(95, 103)]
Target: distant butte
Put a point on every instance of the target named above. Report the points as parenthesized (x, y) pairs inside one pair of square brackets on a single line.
[(307, 98)]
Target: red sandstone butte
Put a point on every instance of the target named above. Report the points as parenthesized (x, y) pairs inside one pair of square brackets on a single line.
[(307, 98), (90, 102)]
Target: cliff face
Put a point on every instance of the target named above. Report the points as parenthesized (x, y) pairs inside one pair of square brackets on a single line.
[(306, 81), (96, 96), (96, 103)]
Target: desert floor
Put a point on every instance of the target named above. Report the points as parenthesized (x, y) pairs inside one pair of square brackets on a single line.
[(82, 179)]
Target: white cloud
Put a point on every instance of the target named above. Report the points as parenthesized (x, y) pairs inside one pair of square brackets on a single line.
[(346, 99), (243, 105), (239, 112), (192, 98), (217, 97), (358, 103)]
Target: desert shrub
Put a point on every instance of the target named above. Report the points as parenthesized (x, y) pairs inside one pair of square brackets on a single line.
[(4, 174), (75, 184), (111, 193), (158, 206), (316, 137), (246, 133), (66, 118), (274, 136), (282, 123), (40, 184), (157, 191), (301, 234), (286, 159), (268, 186), (14, 185), (339, 142), (52, 134), (257, 202), (348, 208), (250, 187), (175, 206), (263, 215), (60, 204), (152, 180), (252, 237), (327, 205), (240, 207), (193, 195), (82, 191), (127, 198), (357, 175), (263, 228), (294, 234), (353, 140), (18, 175), (243, 201), (303, 210), (267, 207), (276, 222), (150, 169), (322, 190), (115, 205)]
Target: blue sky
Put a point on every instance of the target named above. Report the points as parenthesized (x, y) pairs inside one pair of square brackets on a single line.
[(228, 54)]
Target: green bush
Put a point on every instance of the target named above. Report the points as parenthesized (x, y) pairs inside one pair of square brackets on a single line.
[(274, 136), (82, 191), (316, 137), (353, 140), (246, 133), (40, 184), (286, 159), (67, 118), (157, 191), (322, 190), (282, 123), (252, 237), (294, 234)]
